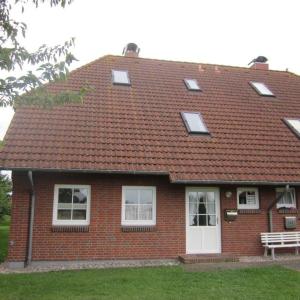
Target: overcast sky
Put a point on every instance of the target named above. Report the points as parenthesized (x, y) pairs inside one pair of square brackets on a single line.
[(227, 32)]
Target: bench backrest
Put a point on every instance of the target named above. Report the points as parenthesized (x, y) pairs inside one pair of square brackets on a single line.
[(280, 237)]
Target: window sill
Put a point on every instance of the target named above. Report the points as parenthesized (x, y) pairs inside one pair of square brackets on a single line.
[(287, 210), (251, 211), (134, 228), (70, 228)]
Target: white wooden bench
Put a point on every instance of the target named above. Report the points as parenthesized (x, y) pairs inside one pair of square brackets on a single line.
[(287, 239)]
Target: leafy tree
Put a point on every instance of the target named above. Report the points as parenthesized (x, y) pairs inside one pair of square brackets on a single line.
[(5, 192), (48, 63)]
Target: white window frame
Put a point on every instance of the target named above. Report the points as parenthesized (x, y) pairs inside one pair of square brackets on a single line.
[(280, 205), (261, 93), (189, 87), (187, 125), (291, 125), (139, 222), (55, 221), (247, 206), (114, 80)]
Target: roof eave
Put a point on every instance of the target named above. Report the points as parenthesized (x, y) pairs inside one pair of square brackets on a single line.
[(235, 182)]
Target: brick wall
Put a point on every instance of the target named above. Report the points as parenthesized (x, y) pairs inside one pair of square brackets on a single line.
[(105, 240)]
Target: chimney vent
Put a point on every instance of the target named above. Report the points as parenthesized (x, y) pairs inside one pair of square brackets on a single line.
[(259, 63), (131, 50)]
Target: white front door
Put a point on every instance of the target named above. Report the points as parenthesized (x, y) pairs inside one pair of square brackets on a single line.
[(202, 220)]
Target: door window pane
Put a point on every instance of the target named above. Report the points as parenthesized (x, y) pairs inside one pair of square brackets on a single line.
[(202, 220), (212, 220), (211, 208), (201, 197), (202, 209), (193, 220), (193, 207)]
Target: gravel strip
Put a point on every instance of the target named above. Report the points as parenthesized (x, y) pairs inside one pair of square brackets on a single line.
[(105, 264)]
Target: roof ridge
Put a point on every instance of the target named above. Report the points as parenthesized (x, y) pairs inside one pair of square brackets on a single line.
[(198, 63), (177, 61)]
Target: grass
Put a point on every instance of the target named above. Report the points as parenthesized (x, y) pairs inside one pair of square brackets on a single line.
[(4, 228), (153, 283)]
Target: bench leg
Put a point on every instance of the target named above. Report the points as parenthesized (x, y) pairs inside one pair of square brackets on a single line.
[(266, 252), (297, 251), (273, 253)]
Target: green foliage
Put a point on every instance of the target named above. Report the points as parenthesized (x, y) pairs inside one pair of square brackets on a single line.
[(49, 63), (4, 228), (5, 192)]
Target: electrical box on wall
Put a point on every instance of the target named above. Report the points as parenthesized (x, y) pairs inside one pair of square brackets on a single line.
[(290, 222), (230, 215)]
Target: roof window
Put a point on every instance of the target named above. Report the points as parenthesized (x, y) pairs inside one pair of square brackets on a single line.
[(261, 89), (120, 77), (192, 84), (194, 122), (294, 125)]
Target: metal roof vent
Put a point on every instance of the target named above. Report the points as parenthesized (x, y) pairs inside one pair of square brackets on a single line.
[(131, 50)]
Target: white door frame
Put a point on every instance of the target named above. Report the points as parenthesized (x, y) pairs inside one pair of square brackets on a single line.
[(217, 195)]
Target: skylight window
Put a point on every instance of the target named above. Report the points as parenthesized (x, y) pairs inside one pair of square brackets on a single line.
[(194, 122), (261, 89), (192, 84), (294, 125), (120, 77)]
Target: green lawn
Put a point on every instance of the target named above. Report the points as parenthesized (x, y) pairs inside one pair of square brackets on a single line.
[(153, 283), (4, 228)]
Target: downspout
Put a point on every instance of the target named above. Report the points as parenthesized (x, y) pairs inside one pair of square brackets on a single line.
[(31, 220), (270, 216)]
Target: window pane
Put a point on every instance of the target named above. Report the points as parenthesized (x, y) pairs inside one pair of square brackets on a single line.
[(294, 124), (131, 212), (146, 196), (289, 198), (192, 84), (202, 208), (65, 196), (80, 196), (79, 214), (63, 214), (193, 220), (131, 197), (193, 207), (211, 220), (202, 220), (251, 198), (195, 122), (243, 198), (211, 209), (262, 89), (145, 212), (120, 77), (193, 196), (201, 197)]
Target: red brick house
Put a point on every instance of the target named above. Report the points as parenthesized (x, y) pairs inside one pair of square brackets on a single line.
[(150, 163)]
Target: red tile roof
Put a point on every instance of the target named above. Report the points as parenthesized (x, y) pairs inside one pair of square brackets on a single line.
[(139, 128)]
